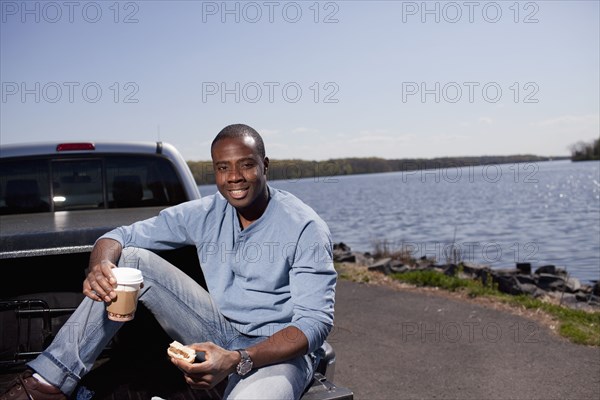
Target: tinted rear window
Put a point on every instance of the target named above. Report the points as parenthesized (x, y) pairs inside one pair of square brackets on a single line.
[(42, 185), (77, 184), (24, 187)]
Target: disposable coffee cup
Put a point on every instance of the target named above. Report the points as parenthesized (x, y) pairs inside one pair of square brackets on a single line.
[(129, 281)]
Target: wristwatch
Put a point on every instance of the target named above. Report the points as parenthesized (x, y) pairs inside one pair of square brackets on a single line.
[(245, 364)]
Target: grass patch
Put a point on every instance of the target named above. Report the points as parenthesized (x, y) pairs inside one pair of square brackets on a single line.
[(578, 326), (452, 283), (355, 275)]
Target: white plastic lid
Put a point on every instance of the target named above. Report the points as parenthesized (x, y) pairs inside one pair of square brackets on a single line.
[(128, 276)]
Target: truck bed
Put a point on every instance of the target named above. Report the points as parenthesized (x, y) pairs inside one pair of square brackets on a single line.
[(41, 234)]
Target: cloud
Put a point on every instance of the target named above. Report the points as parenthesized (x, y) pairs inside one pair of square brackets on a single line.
[(588, 119), (485, 120)]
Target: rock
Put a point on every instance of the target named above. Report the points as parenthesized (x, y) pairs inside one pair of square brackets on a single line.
[(481, 272), (505, 271), (510, 284), (550, 282), (341, 247), (449, 269), (342, 253), (525, 279), (526, 284), (351, 258), (423, 264), (572, 285), (561, 272), (558, 283), (530, 289), (506, 283), (582, 296), (382, 265), (585, 288), (596, 288), (546, 269), (398, 266), (524, 268), (400, 270), (472, 269)]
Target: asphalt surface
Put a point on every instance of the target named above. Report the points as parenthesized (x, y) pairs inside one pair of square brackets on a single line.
[(395, 344)]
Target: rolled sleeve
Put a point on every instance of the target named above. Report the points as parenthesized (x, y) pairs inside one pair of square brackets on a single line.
[(167, 230), (312, 281)]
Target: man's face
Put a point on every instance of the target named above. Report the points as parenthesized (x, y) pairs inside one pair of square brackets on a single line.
[(240, 172)]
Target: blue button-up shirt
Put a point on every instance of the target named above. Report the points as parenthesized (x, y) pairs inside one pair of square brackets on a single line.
[(277, 272)]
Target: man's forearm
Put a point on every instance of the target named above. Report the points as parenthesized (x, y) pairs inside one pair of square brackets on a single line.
[(286, 344), (99, 283), (105, 249)]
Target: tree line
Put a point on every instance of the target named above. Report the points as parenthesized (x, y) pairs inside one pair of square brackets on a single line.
[(582, 151), (297, 169)]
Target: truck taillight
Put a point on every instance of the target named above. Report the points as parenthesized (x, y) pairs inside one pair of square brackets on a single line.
[(75, 146)]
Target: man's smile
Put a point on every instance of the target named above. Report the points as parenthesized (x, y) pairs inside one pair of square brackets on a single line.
[(238, 193)]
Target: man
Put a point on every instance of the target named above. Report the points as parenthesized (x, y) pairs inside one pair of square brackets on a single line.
[(266, 259)]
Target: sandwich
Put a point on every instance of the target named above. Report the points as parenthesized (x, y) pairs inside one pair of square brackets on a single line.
[(181, 352)]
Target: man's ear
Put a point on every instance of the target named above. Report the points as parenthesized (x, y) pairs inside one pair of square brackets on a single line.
[(266, 164)]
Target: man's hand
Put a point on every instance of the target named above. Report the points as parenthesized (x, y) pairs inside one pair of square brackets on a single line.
[(218, 365), (100, 283)]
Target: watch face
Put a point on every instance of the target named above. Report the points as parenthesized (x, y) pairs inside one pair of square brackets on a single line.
[(244, 367)]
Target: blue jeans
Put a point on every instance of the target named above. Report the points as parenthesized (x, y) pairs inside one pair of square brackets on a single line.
[(187, 313)]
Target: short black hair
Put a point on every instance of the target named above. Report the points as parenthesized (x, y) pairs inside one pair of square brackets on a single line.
[(236, 131)]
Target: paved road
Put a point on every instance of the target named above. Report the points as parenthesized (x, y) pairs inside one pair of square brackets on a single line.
[(394, 344)]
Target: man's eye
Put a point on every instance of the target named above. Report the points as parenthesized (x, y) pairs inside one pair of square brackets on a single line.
[(248, 165), (222, 168)]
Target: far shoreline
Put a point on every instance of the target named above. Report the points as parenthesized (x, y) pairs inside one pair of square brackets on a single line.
[(297, 169)]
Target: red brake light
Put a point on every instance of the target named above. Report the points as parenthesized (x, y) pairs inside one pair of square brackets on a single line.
[(75, 146)]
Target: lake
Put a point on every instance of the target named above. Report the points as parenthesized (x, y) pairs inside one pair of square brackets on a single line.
[(540, 212)]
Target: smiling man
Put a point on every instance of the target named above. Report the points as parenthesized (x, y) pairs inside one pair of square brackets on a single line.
[(266, 258)]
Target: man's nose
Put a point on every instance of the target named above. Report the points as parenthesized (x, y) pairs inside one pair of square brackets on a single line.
[(234, 175)]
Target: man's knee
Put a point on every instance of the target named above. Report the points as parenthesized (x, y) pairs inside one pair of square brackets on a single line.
[(130, 257), (150, 263), (133, 257)]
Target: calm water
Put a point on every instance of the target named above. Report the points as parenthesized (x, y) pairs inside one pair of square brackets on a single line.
[(543, 213)]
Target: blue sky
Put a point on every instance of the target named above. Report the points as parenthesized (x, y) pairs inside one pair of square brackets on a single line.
[(319, 80)]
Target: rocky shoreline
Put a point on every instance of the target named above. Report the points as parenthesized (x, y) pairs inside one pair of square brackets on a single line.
[(545, 282)]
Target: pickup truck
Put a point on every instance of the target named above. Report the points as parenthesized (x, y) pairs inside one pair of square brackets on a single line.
[(56, 199)]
